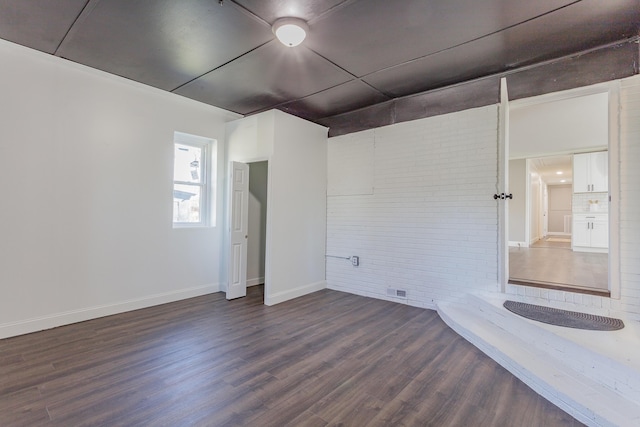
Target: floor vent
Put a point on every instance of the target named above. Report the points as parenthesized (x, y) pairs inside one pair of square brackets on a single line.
[(398, 293)]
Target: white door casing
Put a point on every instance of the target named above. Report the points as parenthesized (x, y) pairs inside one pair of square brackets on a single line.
[(238, 229), (503, 186), (612, 176), (545, 210)]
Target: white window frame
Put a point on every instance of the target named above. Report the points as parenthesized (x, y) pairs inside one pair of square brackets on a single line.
[(207, 183)]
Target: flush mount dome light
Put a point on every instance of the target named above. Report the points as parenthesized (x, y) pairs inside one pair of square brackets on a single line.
[(290, 31)]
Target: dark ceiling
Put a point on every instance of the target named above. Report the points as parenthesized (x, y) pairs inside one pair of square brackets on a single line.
[(357, 53)]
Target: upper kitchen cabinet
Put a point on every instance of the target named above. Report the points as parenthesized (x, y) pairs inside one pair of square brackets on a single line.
[(591, 172)]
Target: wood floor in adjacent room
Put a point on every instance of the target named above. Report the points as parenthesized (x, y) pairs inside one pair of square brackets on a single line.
[(328, 358), (554, 264)]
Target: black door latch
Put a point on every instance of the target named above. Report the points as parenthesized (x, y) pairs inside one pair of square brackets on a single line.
[(503, 196)]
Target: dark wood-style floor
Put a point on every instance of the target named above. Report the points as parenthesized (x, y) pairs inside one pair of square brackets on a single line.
[(328, 358)]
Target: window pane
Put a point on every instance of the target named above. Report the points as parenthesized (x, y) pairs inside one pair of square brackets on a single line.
[(186, 203), (187, 164)]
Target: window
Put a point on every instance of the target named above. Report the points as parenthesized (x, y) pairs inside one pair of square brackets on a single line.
[(192, 195)]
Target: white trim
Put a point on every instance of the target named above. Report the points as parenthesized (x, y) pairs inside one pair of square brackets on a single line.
[(207, 184), (279, 297), (518, 244), (562, 95), (502, 186), (80, 315), (614, 190), (590, 249), (527, 202), (255, 282), (570, 152), (268, 233)]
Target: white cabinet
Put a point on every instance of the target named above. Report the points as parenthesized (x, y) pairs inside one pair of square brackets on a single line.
[(590, 232), (591, 172)]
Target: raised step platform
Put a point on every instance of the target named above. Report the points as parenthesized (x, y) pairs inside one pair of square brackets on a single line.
[(592, 375)]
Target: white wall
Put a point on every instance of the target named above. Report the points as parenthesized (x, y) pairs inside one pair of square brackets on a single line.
[(546, 125), (518, 205), (430, 226), (251, 139), (560, 197), (630, 195), (299, 208), (86, 177), (351, 165), (257, 225), (560, 126), (296, 208), (535, 205)]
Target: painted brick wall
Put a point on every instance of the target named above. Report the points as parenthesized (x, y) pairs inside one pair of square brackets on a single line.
[(630, 195), (430, 226)]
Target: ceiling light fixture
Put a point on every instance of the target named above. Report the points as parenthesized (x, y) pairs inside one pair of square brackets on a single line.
[(290, 31)]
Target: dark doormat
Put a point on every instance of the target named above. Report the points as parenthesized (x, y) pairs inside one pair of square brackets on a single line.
[(569, 319)]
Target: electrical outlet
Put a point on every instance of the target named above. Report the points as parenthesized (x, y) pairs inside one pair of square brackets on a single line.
[(355, 261)]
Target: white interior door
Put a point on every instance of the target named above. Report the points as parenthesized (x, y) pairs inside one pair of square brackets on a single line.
[(238, 222)]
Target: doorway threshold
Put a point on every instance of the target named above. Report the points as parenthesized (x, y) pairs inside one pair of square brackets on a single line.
[(561, 287)]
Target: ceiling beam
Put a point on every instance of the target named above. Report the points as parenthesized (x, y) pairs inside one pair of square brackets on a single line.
[(606, 63)]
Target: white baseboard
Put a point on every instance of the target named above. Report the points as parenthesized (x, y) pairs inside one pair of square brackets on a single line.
[(588, 249), (255, 282), (36, 324), (558, 233), (518, 244), (294, 293)]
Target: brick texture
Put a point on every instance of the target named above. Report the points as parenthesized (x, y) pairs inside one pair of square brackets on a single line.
[(430, 226), (630, 195)]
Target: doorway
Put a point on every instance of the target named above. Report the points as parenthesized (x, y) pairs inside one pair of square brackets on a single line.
[(545, 134), (248, 223), (550, 257), (257, 225)]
